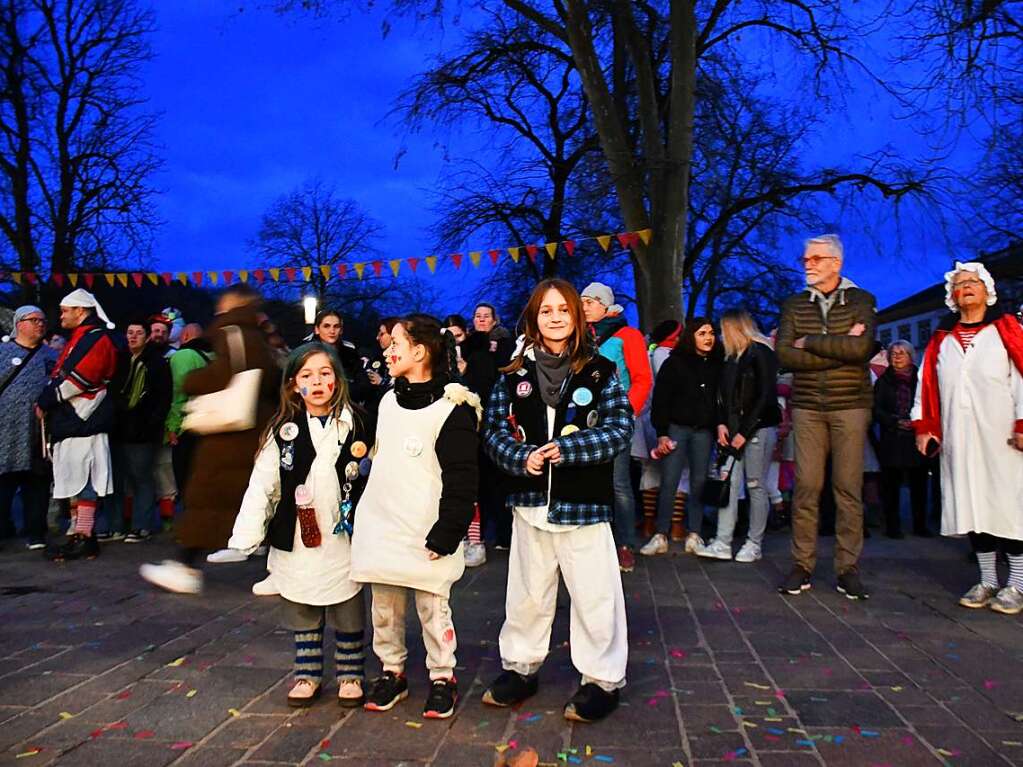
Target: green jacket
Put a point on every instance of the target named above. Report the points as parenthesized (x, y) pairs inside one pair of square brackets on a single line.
[(183, 362), (831, 372)]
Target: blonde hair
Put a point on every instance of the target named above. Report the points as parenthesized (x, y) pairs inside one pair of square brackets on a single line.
[(738, 331)]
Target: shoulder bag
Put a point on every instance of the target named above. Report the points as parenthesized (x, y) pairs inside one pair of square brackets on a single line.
[(230, 409)]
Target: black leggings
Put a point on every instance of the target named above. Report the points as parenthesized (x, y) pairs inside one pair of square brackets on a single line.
[(985, 542)]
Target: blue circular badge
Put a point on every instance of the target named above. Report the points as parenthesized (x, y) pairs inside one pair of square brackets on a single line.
[(570, 413), (364, 466), (582, 397)]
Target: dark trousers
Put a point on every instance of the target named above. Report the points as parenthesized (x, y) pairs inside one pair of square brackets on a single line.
[(35, 496), (985, 542), (181, 458), (495, 516), (891, 487)]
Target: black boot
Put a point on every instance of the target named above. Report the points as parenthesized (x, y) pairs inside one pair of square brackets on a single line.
[(591, 703), (78, 546)]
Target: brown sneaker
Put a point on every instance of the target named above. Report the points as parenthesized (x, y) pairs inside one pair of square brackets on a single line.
[(626, 559)]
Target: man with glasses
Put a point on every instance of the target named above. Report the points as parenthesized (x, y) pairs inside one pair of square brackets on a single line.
[(826, 338), (25, 367)]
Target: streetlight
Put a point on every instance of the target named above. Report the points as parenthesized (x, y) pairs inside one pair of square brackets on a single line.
[(309, 303)]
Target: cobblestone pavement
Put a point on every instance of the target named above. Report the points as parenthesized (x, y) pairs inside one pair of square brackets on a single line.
[(96, 668)]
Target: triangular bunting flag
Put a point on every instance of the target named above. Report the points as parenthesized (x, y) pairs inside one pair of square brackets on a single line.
[(359, 269), (569, 246), (73, 279), (531, 251), (325, 271), (395, 264), (514, 253), (307, 272), (16, 276), (456, 259), (110, 278), (551, 248), (137, 278), (58, 278), (167, 278), (243, 275), (605, 241), (228, 276), (624, 239), (474, 256), (214, 277), (182, 278), (260, 275), (290, 272), (413, 263), (31, 277), (89, 279), (342, 270), (378, 267), (431, 262), (197, 278), (122, 277), (494, 255), (275, 275), (153, 277), (645, 235)]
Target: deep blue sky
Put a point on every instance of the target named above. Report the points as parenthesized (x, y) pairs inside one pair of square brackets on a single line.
[(253, 104)]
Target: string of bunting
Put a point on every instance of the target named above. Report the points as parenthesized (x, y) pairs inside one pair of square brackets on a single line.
[(293, 274)]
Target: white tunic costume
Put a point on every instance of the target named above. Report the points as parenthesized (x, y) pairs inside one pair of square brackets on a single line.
[(981, 395), (318, 576)]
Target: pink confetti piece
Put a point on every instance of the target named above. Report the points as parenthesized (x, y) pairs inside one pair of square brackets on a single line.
[(117, 726), (990, 684), (123, 695), (144, 735), (676, 653), (907, 741), (182, 745), (513, 744)]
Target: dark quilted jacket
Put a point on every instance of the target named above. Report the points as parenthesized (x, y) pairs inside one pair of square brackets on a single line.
[(831, 373)]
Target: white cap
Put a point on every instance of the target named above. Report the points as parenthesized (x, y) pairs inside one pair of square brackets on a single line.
[(87, 300)]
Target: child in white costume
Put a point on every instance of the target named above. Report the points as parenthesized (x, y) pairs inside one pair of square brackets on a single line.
[(416, 510), (555, 421), (307, 477)]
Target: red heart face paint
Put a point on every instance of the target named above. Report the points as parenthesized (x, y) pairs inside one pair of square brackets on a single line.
[(330, 386)]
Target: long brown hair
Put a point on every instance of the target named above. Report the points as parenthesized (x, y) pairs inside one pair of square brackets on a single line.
[(580, 347), (291, 406)]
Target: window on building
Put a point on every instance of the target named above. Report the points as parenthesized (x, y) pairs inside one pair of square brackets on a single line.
[(886, 337), (906, 332), (923, 334)]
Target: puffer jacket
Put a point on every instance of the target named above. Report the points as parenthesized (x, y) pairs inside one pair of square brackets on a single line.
[(831, 372)]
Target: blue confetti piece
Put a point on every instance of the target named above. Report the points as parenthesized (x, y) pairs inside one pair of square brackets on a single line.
[(839, 739), (741, 752), (602, 758), (575, 760), (775, 731), (869, 733), (807, 743)]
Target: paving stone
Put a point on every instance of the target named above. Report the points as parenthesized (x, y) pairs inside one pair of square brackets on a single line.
[(828, 708)]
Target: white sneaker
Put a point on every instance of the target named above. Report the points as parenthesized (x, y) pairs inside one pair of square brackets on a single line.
[(173, 576), (475, 554), (265, 587), (226, 555), (749, 552), (693, 542), (658, 544), (715, 550)]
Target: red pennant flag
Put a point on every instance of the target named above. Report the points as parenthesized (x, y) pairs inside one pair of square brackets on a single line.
[(167, 278), (136, 277), (197, 278), (228, 276), (88, 280), (260, 275), (413, 263), (456, 259), (494, 255), (378, 266), (342, 270), (31, 277), (569, 247), (290, 272), (58, 278), (628, 239), (532, 250)]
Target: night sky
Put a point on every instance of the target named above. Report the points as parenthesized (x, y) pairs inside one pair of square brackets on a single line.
[(253, 104)]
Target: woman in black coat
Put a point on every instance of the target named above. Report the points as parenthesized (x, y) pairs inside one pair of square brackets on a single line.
[(898, 456)]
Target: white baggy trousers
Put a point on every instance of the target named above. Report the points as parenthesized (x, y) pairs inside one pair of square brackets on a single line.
[(588, 561)]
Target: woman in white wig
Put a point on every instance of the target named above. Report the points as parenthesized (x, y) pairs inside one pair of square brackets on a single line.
[(970, 403)]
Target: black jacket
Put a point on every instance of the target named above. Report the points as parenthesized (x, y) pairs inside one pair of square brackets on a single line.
[(484, 355), (896, 447), (143, 420), (686, 392), (748, 395)]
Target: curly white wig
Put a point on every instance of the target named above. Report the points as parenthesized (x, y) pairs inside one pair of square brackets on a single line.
[(982, 273)]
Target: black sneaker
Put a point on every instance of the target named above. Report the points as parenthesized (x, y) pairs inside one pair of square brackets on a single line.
[(591, 703), (441, 702), (137, 536), (78, 546), (849, 583), (796, 582), (511, 688), (385, 691)]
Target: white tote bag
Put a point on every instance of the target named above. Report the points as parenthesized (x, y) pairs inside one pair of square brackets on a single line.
[(231, 409)]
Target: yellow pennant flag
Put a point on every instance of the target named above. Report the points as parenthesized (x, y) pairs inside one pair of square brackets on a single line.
[(325, 271), (214, 277), (275, 274), (243, 275), (514, 253), (123, 279), (395, 264), (474, 256), (551, 248), (645, 235), (605, 242), (307, 272), (182, 278), (16, 276), (153, 277), (73, 278), (431, 262), (360, 267), (110, 278)]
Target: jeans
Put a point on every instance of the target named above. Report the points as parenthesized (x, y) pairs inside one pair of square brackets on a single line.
[(625, 501), (35, 494), (891, 490), (692, 449), (753, 467), (134, 465)]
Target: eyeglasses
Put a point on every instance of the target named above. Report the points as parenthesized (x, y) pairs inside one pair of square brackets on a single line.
[(33, 320), (813, 260), (967, 283)]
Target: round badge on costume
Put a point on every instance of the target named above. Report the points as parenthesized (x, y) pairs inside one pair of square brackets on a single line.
[(351, 470), (524, 389), (570, 413), (288, 431), (592, 419), (413, 446), (570, 429), (16, 361), (358, 449), (376, 365), (582, 397), (364, 466)]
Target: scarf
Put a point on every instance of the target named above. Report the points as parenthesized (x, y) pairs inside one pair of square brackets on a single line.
[(416, 396), (607, 327), (904, 391), (551, 372)]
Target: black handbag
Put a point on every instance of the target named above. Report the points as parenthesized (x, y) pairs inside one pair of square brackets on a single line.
[(717, 488)]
